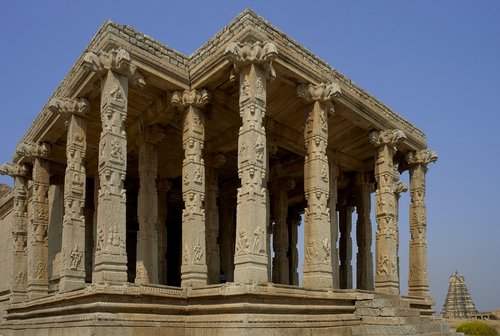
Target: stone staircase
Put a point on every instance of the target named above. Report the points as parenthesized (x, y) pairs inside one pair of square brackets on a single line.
[(390, 315)]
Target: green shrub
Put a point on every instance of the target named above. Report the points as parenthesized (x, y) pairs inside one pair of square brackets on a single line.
[(476, 328)]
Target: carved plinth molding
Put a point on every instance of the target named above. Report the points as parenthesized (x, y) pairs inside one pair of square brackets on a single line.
[(194, 250), (20, 173), (386, 273), (147, 207), (418, 281), (73, 231), (253, 61), (111, 255), (364, 257), (317, 270)]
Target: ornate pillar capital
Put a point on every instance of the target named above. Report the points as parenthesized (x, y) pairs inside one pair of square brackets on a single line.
[(241, 54), (423, 157), (387, 137), (153, 135), (68, 107), (196, 98), (116, 60), (323, 93), (33, 150), (15, 170)]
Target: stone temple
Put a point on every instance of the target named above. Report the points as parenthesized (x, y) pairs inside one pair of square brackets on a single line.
[(458, 303), (161, 194)]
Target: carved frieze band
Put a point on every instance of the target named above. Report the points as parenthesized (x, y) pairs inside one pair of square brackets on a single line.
[(243, 54), (116, 60)]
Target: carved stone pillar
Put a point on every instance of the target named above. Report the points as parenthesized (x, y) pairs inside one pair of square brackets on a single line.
[(20, 173), (281, 262), (345, 244), (333, 219), (212, 218), (294, 221), (418, 283), (115, 69), (163, 188), (386, 277), (364, 257), (399, 187), (194, 265), (227, 233), (254, 62), (317, 269), (37, 245), (147, 207), (73, 231)]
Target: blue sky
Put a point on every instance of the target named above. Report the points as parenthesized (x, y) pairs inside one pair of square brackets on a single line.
[(436, 63)]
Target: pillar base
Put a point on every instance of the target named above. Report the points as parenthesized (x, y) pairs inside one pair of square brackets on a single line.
[(251, 269), (387, 288), (193, 276), (419, 292), (110, 271), (37, 290), (69, 283)]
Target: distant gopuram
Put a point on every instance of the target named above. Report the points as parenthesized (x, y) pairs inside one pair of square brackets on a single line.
[(458, 302), (161, 194)]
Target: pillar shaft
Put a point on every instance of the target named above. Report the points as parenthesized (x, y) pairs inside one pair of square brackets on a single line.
[(418, 282), (38, 282), (73, 230), (294, 220), (334, 220), (345, 245), (212, 218), (111, 254), (20, 174), (194, 251), (317, 269), (164, 186), (147, 207), (386, 277), (364, 257), (227, 233), (281, 262)]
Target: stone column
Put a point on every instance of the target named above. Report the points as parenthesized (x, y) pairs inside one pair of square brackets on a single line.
[(418, 282), (227, 232), (364, 257), (147, 207), (20, 173), (73, 230), (163, 188), (317, 269), (115, 69), (294, 221), (194, 264), (212, 218), (37, 245), (333, 219), (254, 62), (399, 187), (386, 277), (345, 244), (281, 262)]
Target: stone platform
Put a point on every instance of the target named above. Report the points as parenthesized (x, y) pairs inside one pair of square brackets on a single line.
[(226, 309)]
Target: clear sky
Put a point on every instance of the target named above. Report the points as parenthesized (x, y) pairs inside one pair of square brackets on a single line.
[(436, 63)]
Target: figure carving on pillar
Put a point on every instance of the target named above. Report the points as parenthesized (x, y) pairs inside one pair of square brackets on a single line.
[(386, 277), (418, 282), (253, 61), (317, 268)]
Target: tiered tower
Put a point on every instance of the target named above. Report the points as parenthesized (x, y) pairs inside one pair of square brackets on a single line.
[(458, 302)]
